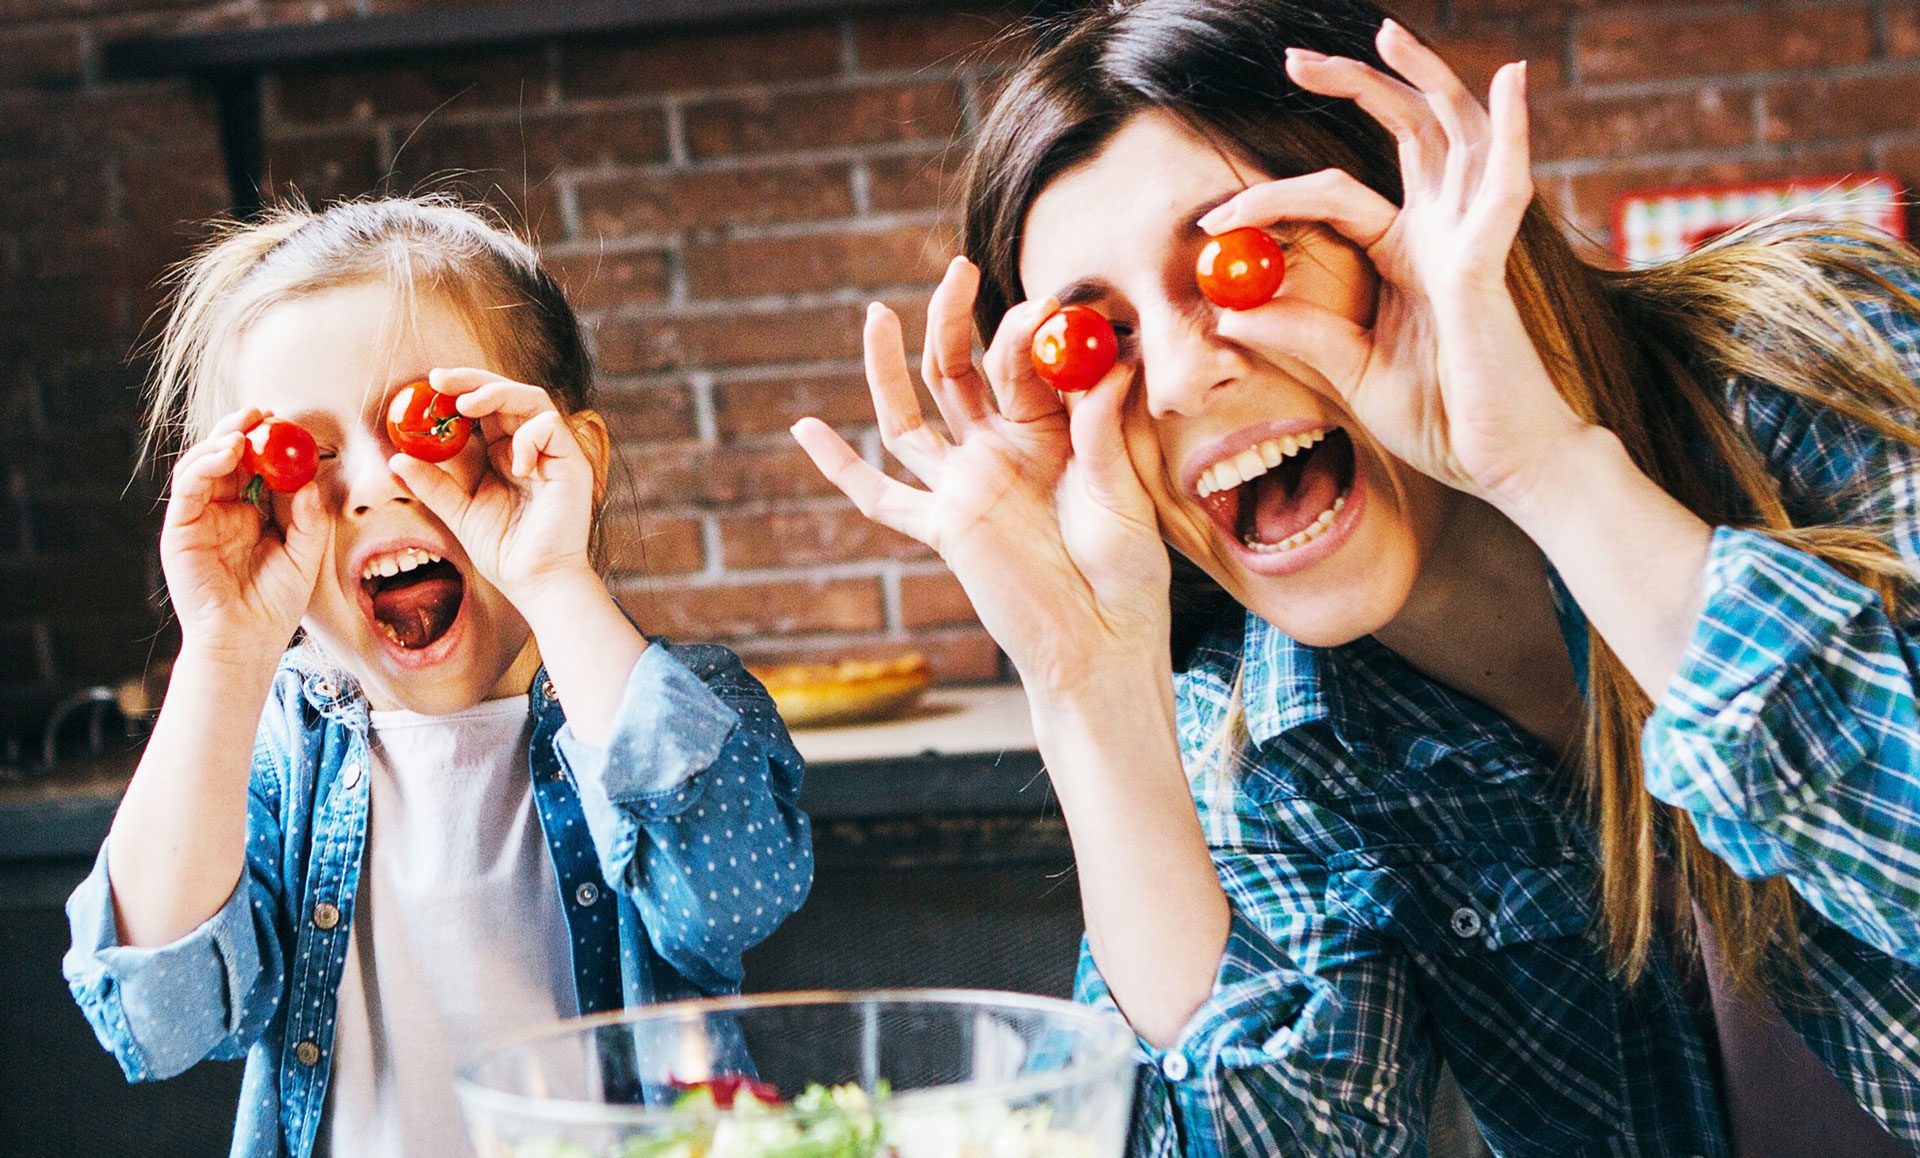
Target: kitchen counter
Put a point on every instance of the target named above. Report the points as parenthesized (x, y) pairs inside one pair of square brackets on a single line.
[(960, 751)]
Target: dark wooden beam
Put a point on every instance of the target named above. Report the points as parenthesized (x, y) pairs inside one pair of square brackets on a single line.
[(430, 30)]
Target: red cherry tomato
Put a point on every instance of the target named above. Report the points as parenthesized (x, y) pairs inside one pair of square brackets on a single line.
[(422, 422), (1241, 268), (1074, 349), (724, 1088), (280, 456)]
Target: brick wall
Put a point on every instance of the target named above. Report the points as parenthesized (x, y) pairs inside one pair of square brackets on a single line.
[(721, 206)]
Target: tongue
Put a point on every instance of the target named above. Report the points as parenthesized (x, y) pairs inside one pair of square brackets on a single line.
[(419, 613), (1280, 513)]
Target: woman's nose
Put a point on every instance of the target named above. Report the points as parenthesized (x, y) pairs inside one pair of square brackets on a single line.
[(1183, 361), (370, 482)]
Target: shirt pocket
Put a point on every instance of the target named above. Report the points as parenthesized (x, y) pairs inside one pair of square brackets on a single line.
[(1457, 905)]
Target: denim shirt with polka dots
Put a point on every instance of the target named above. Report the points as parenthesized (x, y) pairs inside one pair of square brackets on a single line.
[(676, 847)]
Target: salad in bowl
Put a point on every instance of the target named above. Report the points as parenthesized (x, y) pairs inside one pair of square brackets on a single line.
[(877, 1074)]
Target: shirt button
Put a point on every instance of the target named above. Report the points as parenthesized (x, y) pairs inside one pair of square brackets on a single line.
[(307, 1052), (1174, 1066), (327, 689), (546, 689), (586, 894), (1466, 923), (350, 775), (326, 915)]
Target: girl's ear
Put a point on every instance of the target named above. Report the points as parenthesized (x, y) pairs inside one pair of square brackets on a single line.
[(590, 431)]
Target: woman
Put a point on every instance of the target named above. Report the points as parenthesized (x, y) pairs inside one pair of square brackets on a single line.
[(1551, 642)]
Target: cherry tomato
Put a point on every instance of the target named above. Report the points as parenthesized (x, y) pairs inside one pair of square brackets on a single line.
[(422, 422), (1241, 268), (281, 456), (1074, 349), (724, 1088)]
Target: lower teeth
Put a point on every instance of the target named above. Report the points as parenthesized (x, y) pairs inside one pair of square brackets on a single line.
[(1302, 537)]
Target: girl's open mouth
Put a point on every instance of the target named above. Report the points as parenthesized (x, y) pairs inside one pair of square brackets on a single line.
[(412, 596), (1283, 493)]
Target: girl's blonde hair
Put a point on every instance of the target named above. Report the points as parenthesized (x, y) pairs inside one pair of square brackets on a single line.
[(418, 245), (1646, 353)]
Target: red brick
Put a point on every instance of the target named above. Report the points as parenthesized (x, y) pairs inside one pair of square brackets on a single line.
[(413, 87), (174, 193), (704, 475), (784, 607), (638, 545), (535, 144), (1840, 108), (935, 599), (899, 41), (144, 117), (868, 259), (1570, 125), (1903, 31), (71, 588), (323, 168), (799, 538), (54, 193), (42, 58), (655, 204), (1647, 47), (847, 117), (776, 402), (899, 184), (745, 56), (610, 278), (1423, 16), (646, 413), (1592, 195), (737, 338), (1476, 58)]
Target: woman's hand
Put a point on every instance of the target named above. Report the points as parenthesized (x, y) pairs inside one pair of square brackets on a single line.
[(1447, 377), (238, 579), (1037, 511), (526, 519)]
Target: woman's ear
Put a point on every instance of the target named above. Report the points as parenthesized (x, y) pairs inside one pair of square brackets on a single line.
[(590, 431)]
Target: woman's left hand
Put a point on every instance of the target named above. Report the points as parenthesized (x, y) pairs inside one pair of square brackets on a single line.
[(1446, 377), (526, 518)]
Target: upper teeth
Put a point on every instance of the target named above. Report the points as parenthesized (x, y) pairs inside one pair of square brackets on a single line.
[(1255, 461), (394, 562)]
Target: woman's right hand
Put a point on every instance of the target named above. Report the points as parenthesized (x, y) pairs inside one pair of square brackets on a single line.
[(1037, 511), (239, 579)]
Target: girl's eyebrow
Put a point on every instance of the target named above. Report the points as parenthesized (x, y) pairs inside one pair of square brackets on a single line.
[(1083, 290)]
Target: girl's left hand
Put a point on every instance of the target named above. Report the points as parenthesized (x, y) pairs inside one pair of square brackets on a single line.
[(527, 518), (1446, 377)]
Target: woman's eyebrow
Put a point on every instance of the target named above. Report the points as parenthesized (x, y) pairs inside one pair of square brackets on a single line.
[(1083, 290)]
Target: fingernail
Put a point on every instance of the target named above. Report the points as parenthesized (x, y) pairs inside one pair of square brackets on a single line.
[(1306, 54), (1390, 25)]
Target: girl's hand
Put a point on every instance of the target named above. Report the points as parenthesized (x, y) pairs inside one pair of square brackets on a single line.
[(1447, 377), (1039, 514), (238, 579), (526, 520)]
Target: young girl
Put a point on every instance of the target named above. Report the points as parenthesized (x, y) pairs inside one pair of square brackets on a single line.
[(1544, 635), (477, 799)]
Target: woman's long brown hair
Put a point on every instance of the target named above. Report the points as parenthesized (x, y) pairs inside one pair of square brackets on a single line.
[(1647, 353)]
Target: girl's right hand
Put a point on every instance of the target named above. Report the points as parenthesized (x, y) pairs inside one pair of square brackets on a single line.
[(1038, 512), (238, 581)]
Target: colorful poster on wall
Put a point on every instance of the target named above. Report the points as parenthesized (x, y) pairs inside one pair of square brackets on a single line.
[(1653, 225)]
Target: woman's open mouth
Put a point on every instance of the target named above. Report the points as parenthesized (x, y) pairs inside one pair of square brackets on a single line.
[(1281, 494), (412, 595)]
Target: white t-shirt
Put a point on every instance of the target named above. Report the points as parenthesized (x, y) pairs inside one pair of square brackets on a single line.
[(459, 938)]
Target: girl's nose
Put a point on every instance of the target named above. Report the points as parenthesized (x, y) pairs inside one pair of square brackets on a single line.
[(1184, 361), (370, 482)]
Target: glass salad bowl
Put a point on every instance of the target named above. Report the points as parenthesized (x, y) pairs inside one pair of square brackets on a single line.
[(880, 1074)]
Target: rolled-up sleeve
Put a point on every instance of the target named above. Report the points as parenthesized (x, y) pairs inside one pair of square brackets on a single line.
[(1277, 1061), (1790, 735), (693, 808), (209, 994)]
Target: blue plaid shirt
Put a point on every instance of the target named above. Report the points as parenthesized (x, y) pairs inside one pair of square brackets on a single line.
[(1408, 885)]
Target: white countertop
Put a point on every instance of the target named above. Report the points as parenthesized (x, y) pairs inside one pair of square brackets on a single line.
[(947, 721)]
